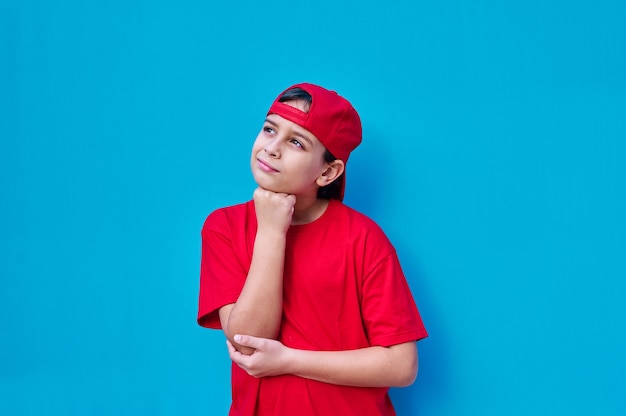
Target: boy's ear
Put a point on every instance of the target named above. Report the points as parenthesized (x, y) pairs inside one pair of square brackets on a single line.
[(332, 172)]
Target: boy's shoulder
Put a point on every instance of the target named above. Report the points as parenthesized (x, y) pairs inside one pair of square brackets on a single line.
[(349, 211), (236, 209), (351, 217), (359, 230), (230, 215)]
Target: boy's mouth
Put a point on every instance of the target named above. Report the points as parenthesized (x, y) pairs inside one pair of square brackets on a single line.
[(265, 167)]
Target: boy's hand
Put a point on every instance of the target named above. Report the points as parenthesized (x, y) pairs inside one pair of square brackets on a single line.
[(273, 210), (269, 358)]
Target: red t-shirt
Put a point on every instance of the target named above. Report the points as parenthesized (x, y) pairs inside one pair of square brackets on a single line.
[(343, 289)]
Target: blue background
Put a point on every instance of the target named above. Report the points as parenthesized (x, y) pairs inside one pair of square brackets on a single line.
[(493, 156)]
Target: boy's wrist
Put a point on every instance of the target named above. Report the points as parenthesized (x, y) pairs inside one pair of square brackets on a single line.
[(271, 233), (291, 361)]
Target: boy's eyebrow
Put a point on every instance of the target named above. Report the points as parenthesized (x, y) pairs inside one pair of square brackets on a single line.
[(295, 133), (303, 137)]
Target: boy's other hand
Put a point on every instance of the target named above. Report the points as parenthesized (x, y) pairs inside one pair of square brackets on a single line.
[(270, 357)]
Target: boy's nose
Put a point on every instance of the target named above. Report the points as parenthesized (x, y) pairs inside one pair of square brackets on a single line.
[(272, 150)]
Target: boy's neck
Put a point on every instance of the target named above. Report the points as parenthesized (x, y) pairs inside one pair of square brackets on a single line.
[(307, 211)]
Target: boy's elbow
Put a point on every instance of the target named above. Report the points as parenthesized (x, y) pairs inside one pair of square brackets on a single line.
[(407, 376), (407, 370)]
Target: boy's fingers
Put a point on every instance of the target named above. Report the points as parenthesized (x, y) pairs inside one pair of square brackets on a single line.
[(230, 346), (246, 340)]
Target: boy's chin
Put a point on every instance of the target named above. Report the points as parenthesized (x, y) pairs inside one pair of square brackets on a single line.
[(269, 187)]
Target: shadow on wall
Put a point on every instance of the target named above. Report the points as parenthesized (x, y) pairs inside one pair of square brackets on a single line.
[(364, 180), (429, 390)]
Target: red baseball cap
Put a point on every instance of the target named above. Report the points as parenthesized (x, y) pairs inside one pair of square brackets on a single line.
[(331, 118)]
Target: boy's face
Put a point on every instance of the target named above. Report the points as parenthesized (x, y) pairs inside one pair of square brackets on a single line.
[(287, 158)]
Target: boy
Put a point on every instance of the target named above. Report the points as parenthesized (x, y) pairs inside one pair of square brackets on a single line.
[(310, 294)]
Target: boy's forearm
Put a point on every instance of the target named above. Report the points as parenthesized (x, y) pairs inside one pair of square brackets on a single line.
[(394, 366), (258, 310)]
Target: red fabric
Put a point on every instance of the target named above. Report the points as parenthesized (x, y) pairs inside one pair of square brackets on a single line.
[(343, 289)]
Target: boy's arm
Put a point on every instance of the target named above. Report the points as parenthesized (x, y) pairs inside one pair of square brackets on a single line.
[(394, 366), (258, 310)]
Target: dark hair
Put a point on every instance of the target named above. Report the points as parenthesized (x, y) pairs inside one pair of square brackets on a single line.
[(332, 190)]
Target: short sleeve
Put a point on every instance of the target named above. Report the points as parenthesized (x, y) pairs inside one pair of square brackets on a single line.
[(222, 273), (390, 315)]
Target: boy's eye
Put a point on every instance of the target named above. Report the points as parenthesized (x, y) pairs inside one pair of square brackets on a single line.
[(268, 129), (297, 142)]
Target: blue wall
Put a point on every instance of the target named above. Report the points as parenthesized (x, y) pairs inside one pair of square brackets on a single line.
[(494, 157)]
